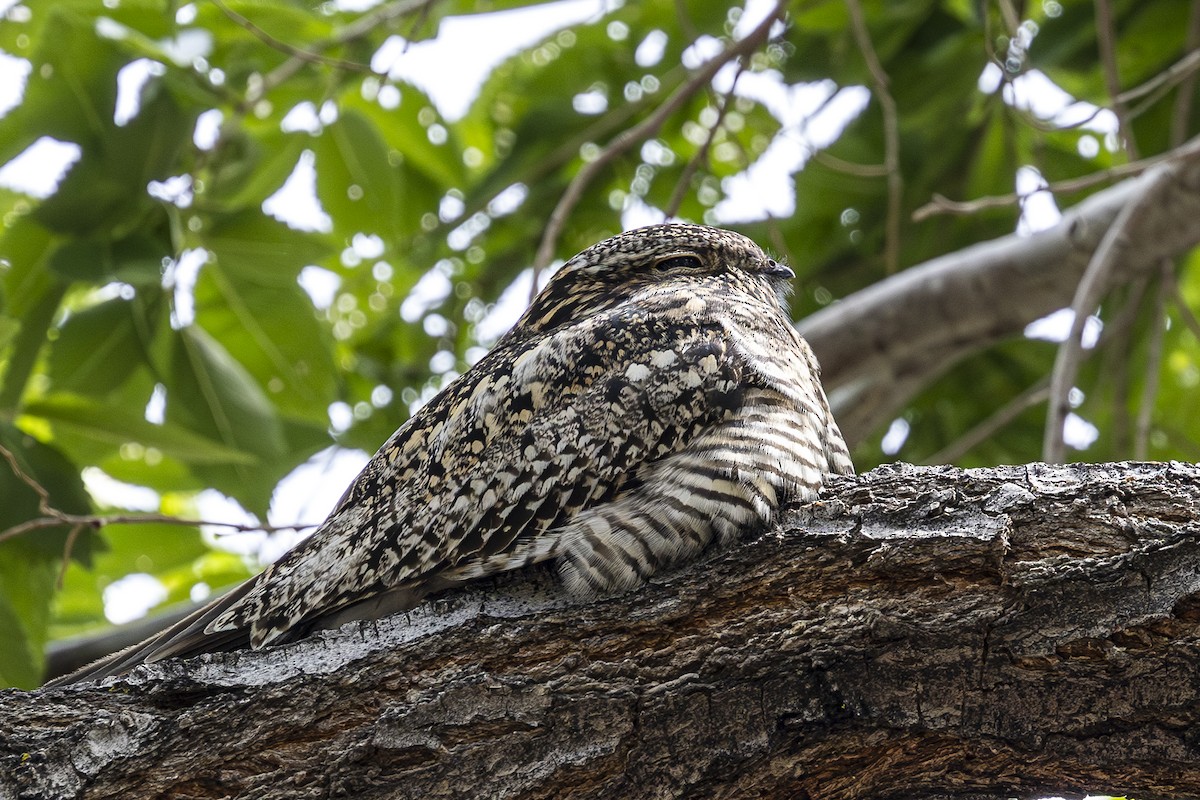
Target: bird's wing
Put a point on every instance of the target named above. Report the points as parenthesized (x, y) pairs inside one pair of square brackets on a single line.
[(522, 443)]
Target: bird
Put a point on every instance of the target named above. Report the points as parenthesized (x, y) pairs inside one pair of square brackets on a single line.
[(654, 400)]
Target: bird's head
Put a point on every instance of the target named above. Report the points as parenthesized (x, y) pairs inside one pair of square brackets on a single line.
[(681, 257)]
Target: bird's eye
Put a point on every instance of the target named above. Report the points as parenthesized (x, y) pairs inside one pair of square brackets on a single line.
[(671, 263)]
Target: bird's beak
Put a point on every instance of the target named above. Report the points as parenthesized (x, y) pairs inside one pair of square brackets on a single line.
[(773, 269)]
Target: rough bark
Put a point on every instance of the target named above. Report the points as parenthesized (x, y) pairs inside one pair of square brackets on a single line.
[(879, 347), (920, 633)]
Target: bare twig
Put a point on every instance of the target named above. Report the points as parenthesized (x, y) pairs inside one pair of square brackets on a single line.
[(849, 167), (288, 49), (1001, 417), (68, 546), (53, 517), (1187, 87), (681, 186), (643, 130), (1091, 288), (1106, 37), (1141, 433), (1185, 67), (891, 135), (355, 30), (943, 205), (1012, 20), (1181, 305)]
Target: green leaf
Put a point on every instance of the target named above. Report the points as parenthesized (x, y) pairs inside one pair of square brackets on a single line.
[(247, 297), (357, 184), (100, 347), (136, 260), (116, 425), (211, 393)]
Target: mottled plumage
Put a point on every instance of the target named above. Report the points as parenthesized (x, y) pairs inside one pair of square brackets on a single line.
[(654, 398)]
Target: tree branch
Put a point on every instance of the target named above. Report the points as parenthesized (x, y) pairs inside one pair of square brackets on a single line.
[(891, 135), (880, 346), (921, 632)]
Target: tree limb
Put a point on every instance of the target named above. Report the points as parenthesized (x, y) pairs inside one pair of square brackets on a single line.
[(880, 346), (922, 632)]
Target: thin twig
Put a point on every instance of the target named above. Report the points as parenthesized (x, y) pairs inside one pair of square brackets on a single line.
[(681, 186), (1187, 87), (891, 135), (1106, 37), (1012, 19), (943, 205), (1001, 417), (643, 130), (1183, 68), (68, 546), (53, 517), (288, 49), (848, 167), (27, 479), (354, 30), (59, 518), (1141, 433), (1092, 287), (1181, 305)]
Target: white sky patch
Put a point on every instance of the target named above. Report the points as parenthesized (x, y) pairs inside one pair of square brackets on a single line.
[(512, 303), (1056, 326), (14, 72), (213, 506), (1039, 211), (508, 200), (301, 117), (341, 416), (651, 49), (188, 46), (438, 66), (295, 203), (40, 167), (703, 49), (156, 406), (897, 434), (367, 246), (590, 102), (428, 293), (1078, 432), (108, 491), (176, 190), (208, 129), (131, 80), (637, 213), (321, 285), (132, 596), (810, 119), (181, 277)]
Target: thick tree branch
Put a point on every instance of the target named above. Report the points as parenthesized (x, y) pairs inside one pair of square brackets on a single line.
[(922, 632), (882, 345)]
